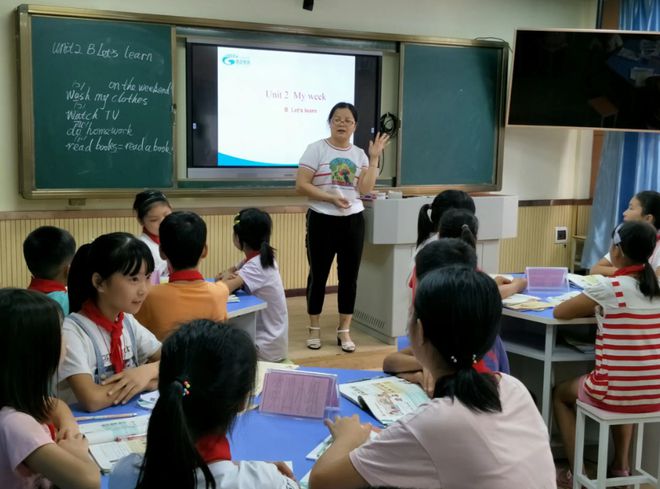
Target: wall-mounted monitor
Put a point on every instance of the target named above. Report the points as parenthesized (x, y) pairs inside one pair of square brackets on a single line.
[(252, 110), (592, 79)]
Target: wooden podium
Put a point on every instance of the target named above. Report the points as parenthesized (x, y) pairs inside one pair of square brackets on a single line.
[(383, 295)]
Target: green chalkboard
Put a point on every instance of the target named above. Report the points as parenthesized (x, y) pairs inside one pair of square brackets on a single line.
[(101, 104), (452, 114)]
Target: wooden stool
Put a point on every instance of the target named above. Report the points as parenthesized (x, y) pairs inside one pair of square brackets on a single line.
[(605, 419)]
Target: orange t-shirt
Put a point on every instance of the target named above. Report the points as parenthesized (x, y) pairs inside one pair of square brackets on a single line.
[(170, 305)]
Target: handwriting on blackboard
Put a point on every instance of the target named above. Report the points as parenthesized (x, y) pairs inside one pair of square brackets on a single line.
[(94, 121), (101, 50)]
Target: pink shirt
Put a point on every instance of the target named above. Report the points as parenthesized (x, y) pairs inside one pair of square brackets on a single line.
[(20, 435), (445, 445)]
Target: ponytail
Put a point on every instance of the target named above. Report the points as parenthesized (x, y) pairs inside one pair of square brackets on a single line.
[(476, 391), (648, 282), (637, 241), (468, 237), (171, 446), (424, 224), (266, 255)]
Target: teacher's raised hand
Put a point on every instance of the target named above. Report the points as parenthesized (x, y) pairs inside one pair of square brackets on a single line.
[(377, 146)]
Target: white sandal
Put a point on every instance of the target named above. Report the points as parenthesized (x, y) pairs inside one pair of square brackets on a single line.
[(313, 343), (347, 346)]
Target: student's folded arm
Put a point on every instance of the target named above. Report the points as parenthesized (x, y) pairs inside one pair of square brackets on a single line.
[(516, 286), (603, 267), (233, 283), (335, 473), (578, 307), (401, 361), (64, 469), (91, 397), (62, 417)]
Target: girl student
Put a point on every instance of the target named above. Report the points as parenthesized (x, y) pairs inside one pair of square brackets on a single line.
[(151, 207), (461, 223), (110, 357), (479, 430), (627, 306), (333, 173), (259, 275), (644, 206), (206, 377), (39, 438), (428, 220)]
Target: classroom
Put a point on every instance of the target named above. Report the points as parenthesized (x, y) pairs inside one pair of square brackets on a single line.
[(540, 208)]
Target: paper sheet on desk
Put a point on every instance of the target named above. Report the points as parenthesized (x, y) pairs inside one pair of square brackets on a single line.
[(518, 299), (530, 306)]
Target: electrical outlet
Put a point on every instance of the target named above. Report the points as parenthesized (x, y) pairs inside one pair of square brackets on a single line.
[(561, 235)]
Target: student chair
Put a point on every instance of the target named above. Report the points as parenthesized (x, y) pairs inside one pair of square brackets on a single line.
[(605, 419)]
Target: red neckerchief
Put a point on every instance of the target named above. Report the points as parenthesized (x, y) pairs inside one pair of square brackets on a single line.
[(52, 430), (186, 276), (657, 237), (251, 254), (631, 270), (154, 238), (213, 448), (115, 328), (46, 286)]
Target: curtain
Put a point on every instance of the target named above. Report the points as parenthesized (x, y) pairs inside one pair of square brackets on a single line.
[(629, 161)]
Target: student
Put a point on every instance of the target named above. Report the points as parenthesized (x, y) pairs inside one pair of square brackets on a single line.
[(110, 357), (644, 206), (187, 296), (151, 207), (438, 254), (207, 374), (39, 438), (429, 216), (479, 430), (259, 275), (627, 307), (460, 223), (48, 252)]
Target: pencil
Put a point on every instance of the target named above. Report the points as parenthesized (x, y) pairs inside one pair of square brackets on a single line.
[(105, 416)]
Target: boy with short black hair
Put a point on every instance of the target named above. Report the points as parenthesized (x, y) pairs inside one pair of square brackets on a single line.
[(48, 252), (187, 295)]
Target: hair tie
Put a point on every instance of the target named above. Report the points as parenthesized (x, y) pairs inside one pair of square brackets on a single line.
[(465, 227), (474, 358), (453, 359), (237, 219), (186, 388)]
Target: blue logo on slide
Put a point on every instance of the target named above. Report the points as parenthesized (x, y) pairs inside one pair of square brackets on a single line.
[(234, 59)]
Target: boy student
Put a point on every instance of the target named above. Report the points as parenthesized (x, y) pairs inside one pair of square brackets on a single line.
[(48, 252), (187, 295)]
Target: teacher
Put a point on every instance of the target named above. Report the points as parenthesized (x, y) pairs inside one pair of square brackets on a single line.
[(333, 173)]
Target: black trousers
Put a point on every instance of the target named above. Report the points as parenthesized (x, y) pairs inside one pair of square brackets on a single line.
[(328, 236)]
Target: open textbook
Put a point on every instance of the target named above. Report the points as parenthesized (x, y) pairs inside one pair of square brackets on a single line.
[(111, 440), (386, 398)]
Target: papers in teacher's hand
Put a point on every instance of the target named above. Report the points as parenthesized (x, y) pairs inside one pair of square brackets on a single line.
[(386, 398)]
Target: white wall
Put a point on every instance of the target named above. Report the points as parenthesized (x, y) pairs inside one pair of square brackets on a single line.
[(538, 163)]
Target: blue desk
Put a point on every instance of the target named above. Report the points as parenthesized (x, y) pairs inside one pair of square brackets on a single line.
[(267, 437), (533, 334), (243, 314)]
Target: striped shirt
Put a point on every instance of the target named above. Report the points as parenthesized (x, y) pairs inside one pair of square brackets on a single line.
[(627, 374)]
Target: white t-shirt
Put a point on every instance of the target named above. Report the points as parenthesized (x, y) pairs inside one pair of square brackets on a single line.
[(81, 359), (227, 474), (603, 293), (273, 322), (450, 447), (20, 435), (336, 171), (160, 265), (654, 259)]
